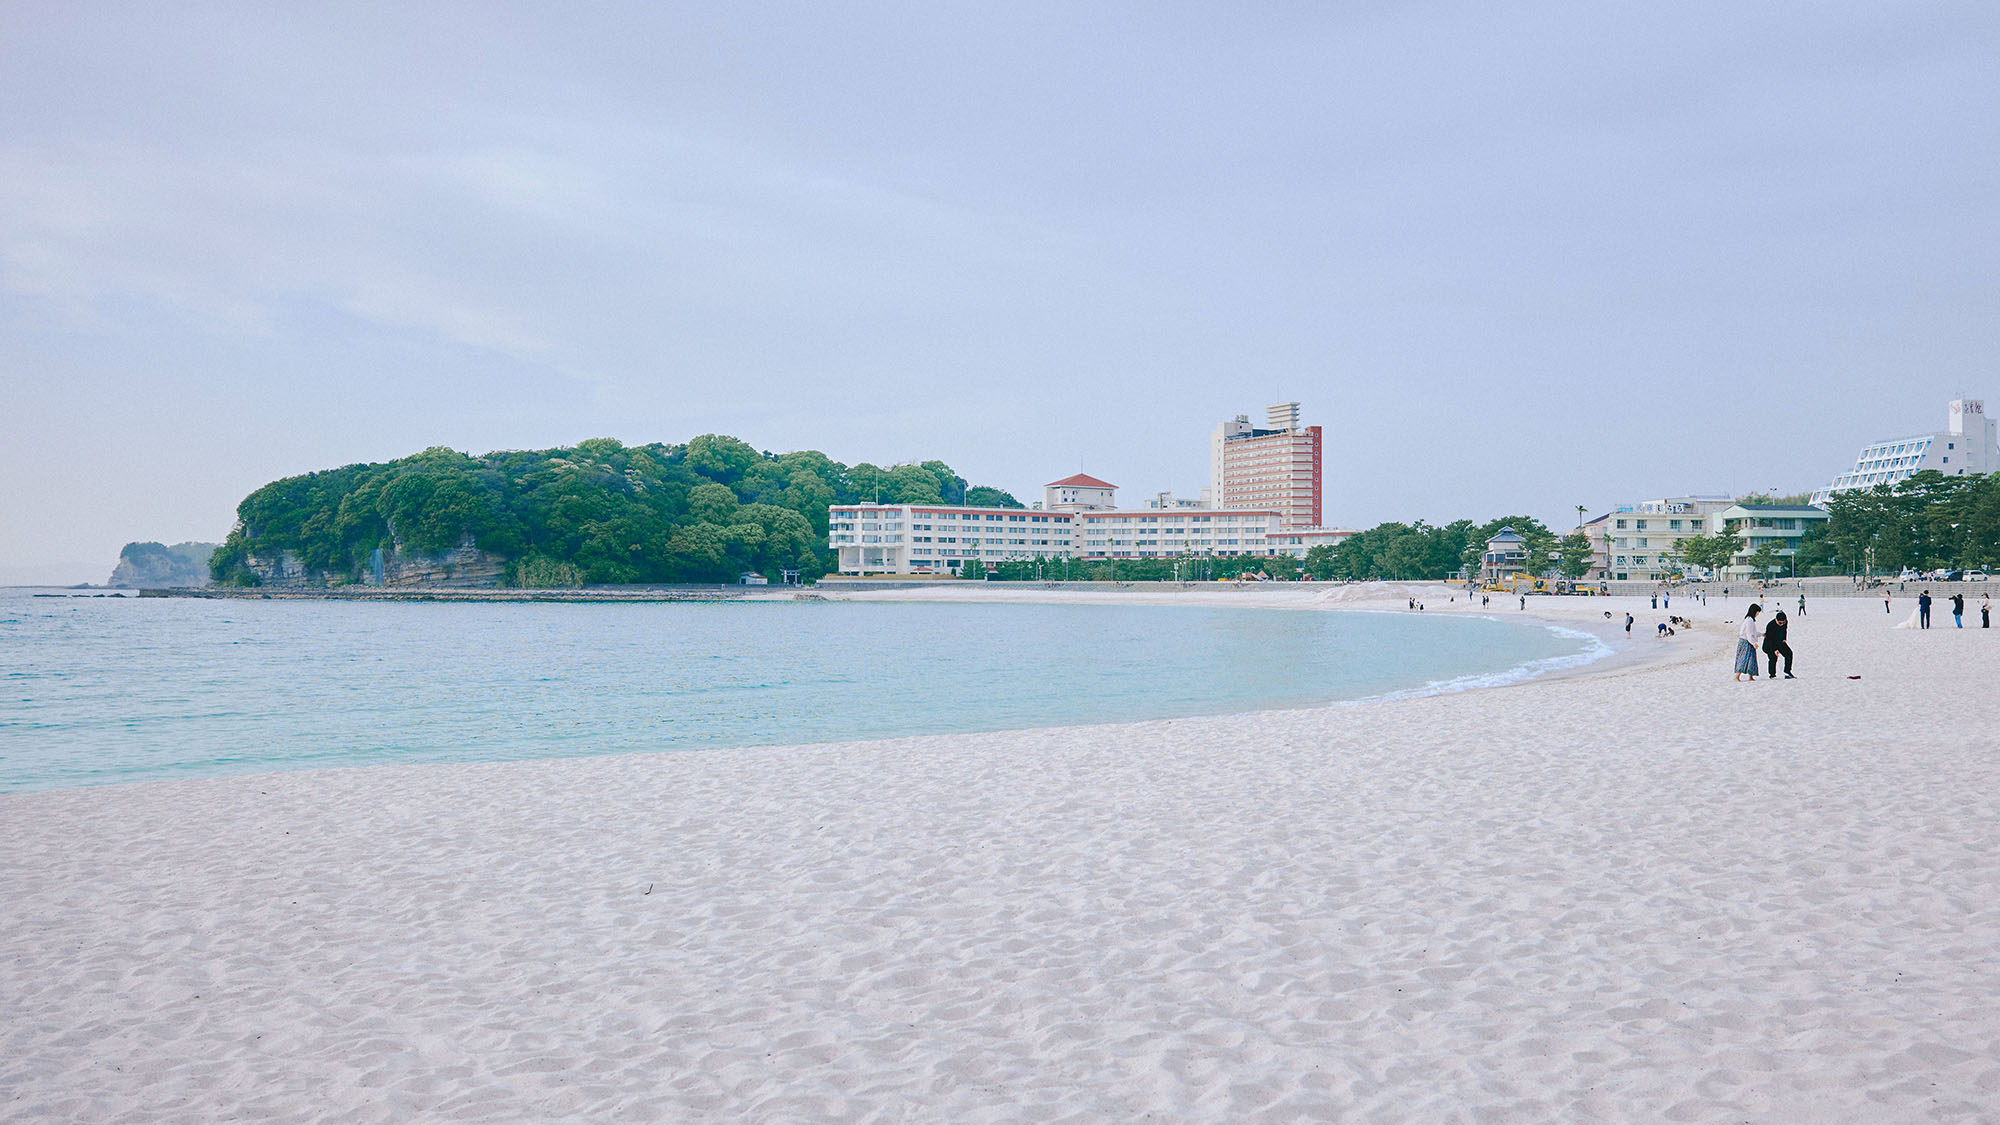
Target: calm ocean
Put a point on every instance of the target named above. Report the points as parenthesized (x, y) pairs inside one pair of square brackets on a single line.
[(98, 691)]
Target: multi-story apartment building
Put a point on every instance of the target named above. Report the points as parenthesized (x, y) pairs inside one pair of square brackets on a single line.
[(1276, 466), (1153, 533), (1779, 525), (939, 538), (1641, 542), (1298, 540), (1965, 447)]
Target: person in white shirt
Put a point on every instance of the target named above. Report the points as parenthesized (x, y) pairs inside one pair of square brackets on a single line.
[(1747, 639)]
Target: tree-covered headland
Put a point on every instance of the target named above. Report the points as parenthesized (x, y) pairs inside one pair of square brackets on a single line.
[(598, 512)]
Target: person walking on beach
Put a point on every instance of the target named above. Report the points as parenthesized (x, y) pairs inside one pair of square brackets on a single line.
[(1958, 611), (1667, 599), (1524, 601), (1656, 599), (1775, 646), (1924, 610), (1628, 624), (1802, 604), (1885, 599), (1986, 611), (1746, 644)]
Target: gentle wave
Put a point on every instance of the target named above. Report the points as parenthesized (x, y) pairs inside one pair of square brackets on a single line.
[(1596, 649)]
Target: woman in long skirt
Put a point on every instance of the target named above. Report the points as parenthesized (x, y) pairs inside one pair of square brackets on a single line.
[(1747, 639)]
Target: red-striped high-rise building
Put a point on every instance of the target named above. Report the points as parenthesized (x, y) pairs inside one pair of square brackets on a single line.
[(1276, 466)]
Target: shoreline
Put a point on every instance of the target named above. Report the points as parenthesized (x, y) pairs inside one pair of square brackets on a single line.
[(1608, 655), (1645, 893)]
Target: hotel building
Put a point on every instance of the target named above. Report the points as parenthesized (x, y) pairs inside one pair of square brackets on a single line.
[(1965, 447), (1779, 525), (1276, 466), (938, 538), (1078, 519), (1641, 542)]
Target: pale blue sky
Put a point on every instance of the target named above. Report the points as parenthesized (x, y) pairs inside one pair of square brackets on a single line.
[(1511, 260)]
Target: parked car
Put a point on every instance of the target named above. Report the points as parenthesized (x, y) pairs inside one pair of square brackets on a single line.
[(1976, 576)]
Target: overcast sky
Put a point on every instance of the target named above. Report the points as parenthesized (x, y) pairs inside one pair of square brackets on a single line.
[(1512, 257)]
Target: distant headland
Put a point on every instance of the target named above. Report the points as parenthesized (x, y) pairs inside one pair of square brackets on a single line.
[(594, 514)]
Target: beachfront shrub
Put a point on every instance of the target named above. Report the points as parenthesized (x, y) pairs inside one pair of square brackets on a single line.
[(539, 573)]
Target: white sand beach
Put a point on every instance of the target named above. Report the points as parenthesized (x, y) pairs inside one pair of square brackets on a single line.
[(1640, 893)]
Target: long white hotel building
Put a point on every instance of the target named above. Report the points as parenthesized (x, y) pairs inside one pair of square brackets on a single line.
[(1965, 447), (1078, 519)]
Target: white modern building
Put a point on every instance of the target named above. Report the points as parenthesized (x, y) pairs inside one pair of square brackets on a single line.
[(1640, 542), (1152, 533), (938, 538), (1780, 526), (1298, 540), (1965, 447), (1078, 520), (1079, 493)]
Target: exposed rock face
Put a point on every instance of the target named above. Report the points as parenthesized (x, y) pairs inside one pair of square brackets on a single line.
[(284, 570), (461, 566), (158, 566)]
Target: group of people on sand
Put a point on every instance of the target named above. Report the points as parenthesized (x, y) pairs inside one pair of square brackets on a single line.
[(1769, 637), (1957, 609)]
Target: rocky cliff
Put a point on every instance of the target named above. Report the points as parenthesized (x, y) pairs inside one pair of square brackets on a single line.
[(157, 566), (461, 566)]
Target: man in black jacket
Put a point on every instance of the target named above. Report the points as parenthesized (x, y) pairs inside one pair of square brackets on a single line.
[(1924, 610), (1775, 646)]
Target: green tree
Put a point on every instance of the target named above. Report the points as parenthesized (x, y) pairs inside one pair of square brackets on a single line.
[(1765, 559), (972, 568), (1711, 552), (1575, 555), (982, 496), (913, 484), (721, 458), (712, 503)]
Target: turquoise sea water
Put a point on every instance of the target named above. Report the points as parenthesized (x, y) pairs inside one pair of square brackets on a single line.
[(105, 690)]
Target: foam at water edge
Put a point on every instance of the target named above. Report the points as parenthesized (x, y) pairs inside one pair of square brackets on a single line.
[(1597, 650)]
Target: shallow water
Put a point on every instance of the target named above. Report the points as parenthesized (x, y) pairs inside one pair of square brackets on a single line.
[(102, 690)]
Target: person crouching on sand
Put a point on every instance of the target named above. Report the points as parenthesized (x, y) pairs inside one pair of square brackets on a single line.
[(1775, 646), (1746, 644)]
